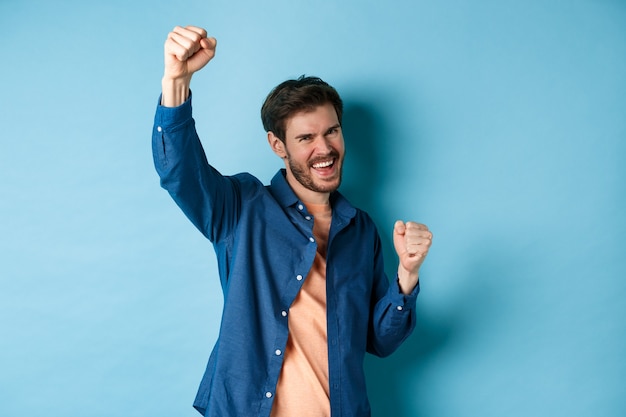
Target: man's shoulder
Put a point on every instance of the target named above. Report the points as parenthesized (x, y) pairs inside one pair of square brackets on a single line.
[(246, 182), (250, 186), (246, 177)]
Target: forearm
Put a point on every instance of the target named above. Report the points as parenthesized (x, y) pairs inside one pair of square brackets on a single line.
[(174, 91), (393, 320), (392, 313), (182, 166), (407, 280)]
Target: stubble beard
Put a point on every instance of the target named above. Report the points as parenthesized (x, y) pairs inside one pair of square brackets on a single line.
[(304, 177)]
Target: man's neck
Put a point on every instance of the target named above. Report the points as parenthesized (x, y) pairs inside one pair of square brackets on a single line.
[(306, 195)]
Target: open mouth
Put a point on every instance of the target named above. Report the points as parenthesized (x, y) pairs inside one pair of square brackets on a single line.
[(324, 164)]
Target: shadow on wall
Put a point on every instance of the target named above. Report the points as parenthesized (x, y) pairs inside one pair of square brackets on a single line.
[(367, 137), (483, 286)]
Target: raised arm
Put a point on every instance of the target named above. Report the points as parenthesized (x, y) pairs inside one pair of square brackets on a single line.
[(209, 199), (186, 51)]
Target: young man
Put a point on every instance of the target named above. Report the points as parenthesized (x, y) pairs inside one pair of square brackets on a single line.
[(301, 270)]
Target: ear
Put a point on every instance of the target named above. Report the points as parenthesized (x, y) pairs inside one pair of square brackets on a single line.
[(277, 145)]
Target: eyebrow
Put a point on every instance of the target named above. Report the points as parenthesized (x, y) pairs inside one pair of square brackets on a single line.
[(304, 136), (308, 135)]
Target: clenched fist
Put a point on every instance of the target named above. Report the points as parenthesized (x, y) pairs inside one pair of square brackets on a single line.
[(186, 51), (412, 242)]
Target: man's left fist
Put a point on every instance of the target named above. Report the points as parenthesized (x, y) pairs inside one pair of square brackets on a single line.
[(412, 242)]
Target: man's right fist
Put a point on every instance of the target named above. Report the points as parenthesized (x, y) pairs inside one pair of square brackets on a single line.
[(187, 50)]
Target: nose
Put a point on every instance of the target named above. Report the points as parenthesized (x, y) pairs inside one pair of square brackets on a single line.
[(324, 146)]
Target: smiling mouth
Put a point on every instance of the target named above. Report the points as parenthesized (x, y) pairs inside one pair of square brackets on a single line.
[(324, 164)]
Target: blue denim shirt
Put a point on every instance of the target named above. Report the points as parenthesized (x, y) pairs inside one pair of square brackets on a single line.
[(263, 238)]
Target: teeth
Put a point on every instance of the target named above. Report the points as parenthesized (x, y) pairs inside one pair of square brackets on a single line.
[(323, 164)]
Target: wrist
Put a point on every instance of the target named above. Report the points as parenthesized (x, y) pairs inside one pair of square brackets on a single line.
[(407, 280), (175, 91)]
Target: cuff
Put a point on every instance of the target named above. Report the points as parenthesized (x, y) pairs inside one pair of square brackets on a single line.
[(400, 300), (168, 119)]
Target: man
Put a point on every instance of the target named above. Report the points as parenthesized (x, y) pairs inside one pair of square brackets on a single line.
[(301, 270)]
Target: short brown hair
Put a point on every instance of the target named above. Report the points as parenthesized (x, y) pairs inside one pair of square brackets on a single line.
[(293, 96)]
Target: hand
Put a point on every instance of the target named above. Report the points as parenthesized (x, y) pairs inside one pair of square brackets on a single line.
[(187, 50), (412, 242)]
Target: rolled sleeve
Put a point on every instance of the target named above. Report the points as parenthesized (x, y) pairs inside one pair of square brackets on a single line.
[(401, 301), (170, 119)]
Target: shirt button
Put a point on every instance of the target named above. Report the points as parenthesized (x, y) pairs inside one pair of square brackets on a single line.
[(399, 308), (299, 277), (312, 240), (308, 217), (283, 313), (278, 352), (159, 129), (300, 207), (268, 395)]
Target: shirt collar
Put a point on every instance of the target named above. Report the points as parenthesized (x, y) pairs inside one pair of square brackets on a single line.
[(285, 196)]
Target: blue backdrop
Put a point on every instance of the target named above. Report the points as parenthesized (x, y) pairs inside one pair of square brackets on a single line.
[(500, 124)]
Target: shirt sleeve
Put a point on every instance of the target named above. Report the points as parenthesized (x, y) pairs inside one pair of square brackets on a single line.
[(210, 200)]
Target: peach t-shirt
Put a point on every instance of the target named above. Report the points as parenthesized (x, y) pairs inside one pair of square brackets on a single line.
[(302, 388)]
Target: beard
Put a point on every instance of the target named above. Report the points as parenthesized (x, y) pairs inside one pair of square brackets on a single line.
[(302, 173)]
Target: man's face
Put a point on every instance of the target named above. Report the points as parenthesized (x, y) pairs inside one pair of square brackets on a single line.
[(314, 151)]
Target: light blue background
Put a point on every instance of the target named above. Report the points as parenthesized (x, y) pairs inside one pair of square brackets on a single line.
[(500, 124)]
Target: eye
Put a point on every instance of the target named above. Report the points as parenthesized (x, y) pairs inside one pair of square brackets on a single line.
[(333, 131)]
